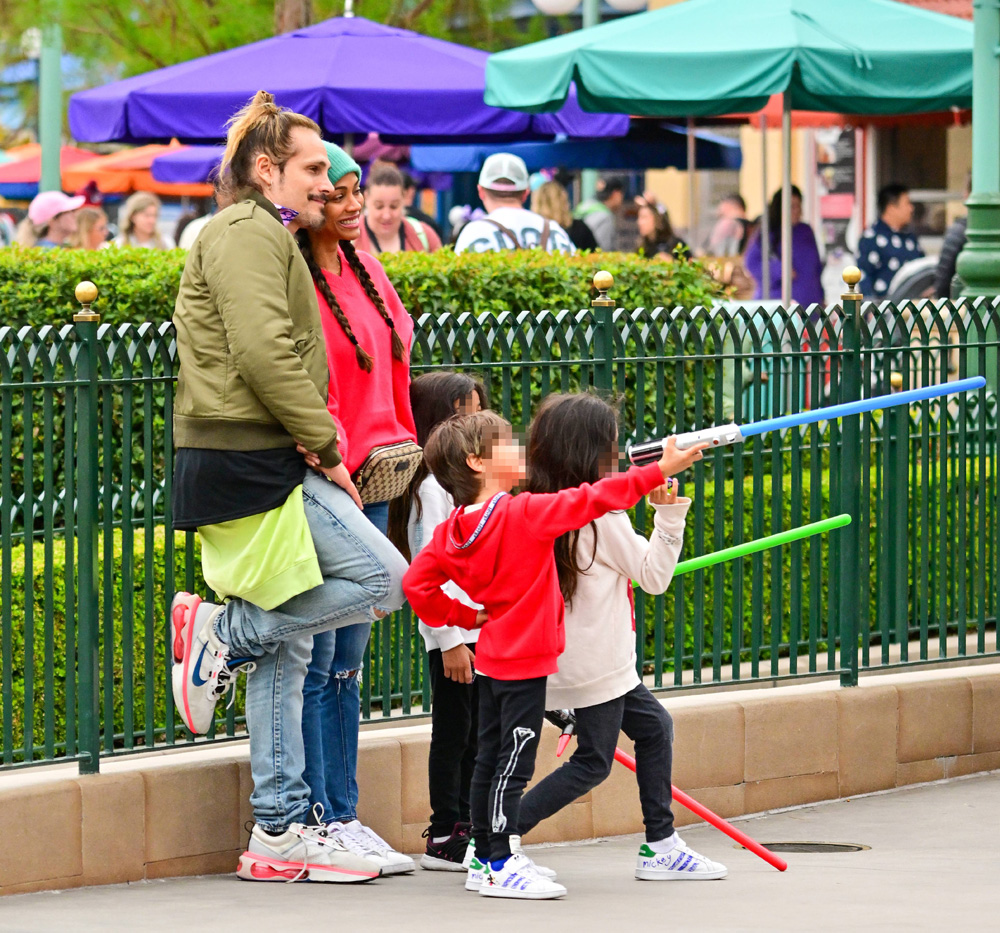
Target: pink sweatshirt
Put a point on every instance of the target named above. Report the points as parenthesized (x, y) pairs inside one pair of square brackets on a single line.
[(373, 408)]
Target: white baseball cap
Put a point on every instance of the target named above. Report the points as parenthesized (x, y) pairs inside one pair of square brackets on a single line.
[(503, 171), (50, 204)]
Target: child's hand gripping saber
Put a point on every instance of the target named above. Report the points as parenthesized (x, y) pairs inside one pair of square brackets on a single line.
[(723, 435), (566, 720)]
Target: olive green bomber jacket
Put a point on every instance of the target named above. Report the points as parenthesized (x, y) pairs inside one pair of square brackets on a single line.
[(253, 366)]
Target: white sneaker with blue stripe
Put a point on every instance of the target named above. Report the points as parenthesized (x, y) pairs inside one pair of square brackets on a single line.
[(679, 864), (519, 878)]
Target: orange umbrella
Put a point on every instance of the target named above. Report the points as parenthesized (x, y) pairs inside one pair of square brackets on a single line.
[(802, 119), (26, 166), (127, 171)]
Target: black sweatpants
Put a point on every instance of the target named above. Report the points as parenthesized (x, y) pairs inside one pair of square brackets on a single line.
[(510, 722), (640, 716), (454, 723)]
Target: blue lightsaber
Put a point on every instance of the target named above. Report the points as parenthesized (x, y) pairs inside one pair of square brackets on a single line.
[(723, 435)]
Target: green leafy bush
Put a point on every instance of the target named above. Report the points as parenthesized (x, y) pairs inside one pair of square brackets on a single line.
[(135, 586), (136, 285)]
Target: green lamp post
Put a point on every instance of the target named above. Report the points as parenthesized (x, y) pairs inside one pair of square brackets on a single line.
[(50, 106)]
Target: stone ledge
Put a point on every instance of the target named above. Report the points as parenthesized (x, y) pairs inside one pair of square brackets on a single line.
[(181, 812)]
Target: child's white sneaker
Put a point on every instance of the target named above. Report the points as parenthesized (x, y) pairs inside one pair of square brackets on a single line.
[(476, 874), (679, 864), (515, 849), (519, 878)]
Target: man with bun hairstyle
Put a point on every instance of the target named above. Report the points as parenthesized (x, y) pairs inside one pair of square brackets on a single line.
[(252, 386)]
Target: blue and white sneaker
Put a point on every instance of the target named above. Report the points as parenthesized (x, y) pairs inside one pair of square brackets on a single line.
[(476, 874), (679, 864), (202, 671), (515, 849), (519, 879)]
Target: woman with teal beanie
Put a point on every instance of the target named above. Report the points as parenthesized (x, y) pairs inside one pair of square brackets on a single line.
[(368, 333)]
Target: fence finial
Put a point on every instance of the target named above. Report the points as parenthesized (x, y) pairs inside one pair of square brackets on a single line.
[(852, 275), (602, 282), (86, 293)]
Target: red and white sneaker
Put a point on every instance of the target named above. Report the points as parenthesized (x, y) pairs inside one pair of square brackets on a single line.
[(303, 853), (202, 672)]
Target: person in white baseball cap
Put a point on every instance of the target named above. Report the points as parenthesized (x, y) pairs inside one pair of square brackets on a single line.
[(51, 220), (503, 186)]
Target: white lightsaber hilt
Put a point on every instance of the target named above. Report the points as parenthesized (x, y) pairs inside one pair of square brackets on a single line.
[(719, 435)]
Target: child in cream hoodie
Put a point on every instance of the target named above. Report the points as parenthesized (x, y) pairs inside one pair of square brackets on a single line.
[(574, 440)]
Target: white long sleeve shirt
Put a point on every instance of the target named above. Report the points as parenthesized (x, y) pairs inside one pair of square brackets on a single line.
[(598, 664), (437, 505)]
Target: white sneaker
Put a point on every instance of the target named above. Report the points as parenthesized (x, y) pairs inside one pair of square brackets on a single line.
[(515, 849), (202, 673), (470, 853), (374, 846), (519, 878), (679, 864), (476, 875), (302, 853)]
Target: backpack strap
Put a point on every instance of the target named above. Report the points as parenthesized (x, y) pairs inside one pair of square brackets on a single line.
[(506, 231), (544, 241), (418, 228)]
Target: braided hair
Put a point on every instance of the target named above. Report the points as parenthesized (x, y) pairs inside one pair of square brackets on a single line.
[(365, 360), (358, 268)]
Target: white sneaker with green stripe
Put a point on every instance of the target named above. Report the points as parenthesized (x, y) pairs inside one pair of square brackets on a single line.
[(476, 875), (679, 864)]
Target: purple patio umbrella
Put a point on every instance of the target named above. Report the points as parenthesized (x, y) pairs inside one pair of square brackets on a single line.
[(200, 163), (352, 76)]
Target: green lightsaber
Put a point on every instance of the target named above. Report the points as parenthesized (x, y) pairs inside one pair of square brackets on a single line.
[(762, 544)]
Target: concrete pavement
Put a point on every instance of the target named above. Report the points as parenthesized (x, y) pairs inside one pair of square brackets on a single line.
[(934, 864)]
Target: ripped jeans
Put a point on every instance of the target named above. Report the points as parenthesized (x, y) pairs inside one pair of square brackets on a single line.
[(331, 709)]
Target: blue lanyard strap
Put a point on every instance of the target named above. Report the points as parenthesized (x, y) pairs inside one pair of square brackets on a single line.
[(487, 512)]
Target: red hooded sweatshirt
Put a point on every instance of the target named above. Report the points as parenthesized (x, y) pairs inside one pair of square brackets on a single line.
[(502, 556)]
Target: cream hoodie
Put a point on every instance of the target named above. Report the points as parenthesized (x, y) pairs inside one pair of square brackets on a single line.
[(599, 661)]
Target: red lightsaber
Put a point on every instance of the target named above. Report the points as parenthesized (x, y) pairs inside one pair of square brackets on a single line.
[(565, 720)]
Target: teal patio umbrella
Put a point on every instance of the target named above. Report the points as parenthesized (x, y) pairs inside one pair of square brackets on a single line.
[(712, 57)]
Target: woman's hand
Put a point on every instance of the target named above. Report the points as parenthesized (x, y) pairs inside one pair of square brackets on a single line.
[(665, 494), (676, 461), (480, 618), (458, 664), (342, 478)]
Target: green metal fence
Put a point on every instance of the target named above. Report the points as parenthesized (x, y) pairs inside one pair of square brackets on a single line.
[(88, 565)]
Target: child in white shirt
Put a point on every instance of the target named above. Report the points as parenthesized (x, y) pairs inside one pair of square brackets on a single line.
[(574, 440), (435, 397)]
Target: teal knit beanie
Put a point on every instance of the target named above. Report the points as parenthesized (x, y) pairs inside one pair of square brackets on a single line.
[(340, 163)]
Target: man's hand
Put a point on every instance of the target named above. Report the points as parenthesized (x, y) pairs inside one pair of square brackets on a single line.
[(342, 478), (480, 618), (458, 664), (311, 458)]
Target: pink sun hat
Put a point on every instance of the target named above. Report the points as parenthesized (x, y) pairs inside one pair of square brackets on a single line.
[(50, 204)]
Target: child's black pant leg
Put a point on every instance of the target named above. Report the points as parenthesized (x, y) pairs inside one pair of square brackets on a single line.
[(486, 765), (452, 750), (650, 727), (597, 730), (522, 709)]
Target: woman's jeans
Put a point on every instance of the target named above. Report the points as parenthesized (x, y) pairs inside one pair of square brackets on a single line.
[(331, 706), (361, 570)]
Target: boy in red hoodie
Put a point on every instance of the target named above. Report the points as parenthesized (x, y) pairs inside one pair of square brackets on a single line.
[(499, 550)]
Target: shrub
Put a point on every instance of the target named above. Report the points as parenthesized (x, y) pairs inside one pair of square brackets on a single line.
[(136, 285)]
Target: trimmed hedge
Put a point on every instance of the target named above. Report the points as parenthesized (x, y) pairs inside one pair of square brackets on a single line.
[(136, 285), (129, 639)]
